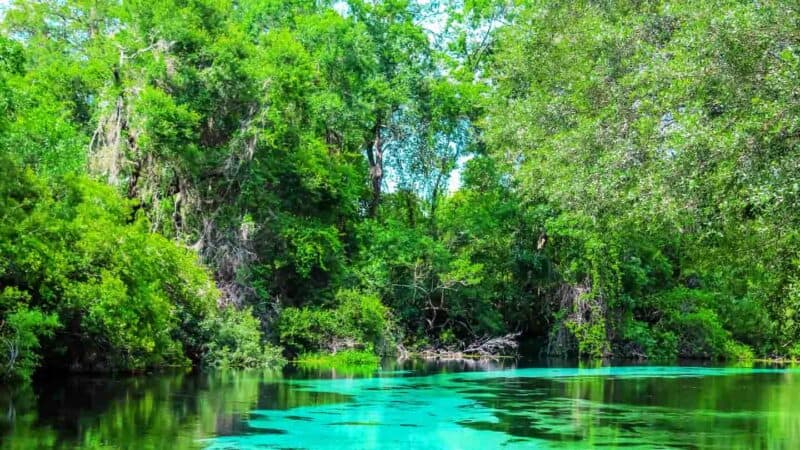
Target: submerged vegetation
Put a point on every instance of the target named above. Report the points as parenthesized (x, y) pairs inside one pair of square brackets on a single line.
[(236, 183)]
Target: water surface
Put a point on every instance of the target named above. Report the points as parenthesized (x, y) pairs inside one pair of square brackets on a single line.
[(412, 406)]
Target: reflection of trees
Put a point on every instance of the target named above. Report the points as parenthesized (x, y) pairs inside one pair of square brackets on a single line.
[(740, 412), (417, 366), (744, 411), (431, 366), (176, 411), (782, 400), (159, 412), (19, 417)]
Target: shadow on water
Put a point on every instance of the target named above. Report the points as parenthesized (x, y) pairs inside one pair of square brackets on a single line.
[(412, 405)]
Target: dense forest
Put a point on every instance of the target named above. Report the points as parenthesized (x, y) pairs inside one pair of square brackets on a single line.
[(233, 183)]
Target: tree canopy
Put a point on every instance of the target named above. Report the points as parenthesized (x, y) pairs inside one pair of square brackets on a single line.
[(206, 180)]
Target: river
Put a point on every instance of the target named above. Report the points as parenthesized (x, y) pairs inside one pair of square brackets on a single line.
[(413, 405)]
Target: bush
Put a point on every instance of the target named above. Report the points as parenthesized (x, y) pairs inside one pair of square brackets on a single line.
[(650, 342), (73, 251), (701, 335), (794, 352), (365, 319), (359, 319), (590, 337), (21, 330), (735, 351), (688, 326), (305, 329), (236, 341)]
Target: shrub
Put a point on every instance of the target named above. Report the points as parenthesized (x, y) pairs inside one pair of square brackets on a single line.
[(304, 329), (590, 336), (357, 318), (689, 325), (794, 352), (21, 330), (649, 341), (236, 341), (365, 319), (73, 251), (701, 335), (735, 351)]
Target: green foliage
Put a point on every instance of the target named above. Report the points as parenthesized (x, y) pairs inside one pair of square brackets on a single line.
[(649, 342), (363, 317), (735, 351), (590, 336), (167, 130), (357, 319), (74, 253), (236, 342), (684, 323), (305, 328), (617, 178), (700, 335), (346, 359), (21, 332), (655, 181), (794, 352)]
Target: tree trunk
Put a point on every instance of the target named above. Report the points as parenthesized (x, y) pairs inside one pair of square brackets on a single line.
[(375, 157)]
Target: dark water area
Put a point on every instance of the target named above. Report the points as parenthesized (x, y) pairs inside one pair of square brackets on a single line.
[(412, 405)]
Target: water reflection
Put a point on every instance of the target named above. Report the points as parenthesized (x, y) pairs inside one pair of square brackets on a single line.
[(412, 405), (170, 411)]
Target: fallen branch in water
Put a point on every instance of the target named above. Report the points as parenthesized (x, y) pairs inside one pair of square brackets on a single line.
[(483, 348), (502, 345)]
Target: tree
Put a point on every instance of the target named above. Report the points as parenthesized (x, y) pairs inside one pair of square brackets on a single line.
[(659, 124)]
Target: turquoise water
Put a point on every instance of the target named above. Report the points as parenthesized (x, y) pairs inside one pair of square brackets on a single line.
[(414, 406), (615, 407)]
